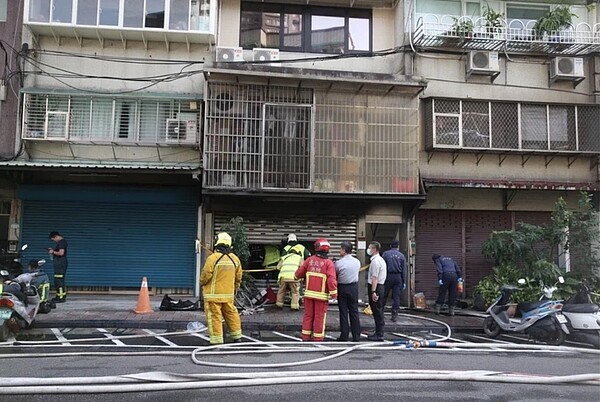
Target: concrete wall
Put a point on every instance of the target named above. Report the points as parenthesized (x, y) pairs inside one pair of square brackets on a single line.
[(10, 32), (493, 199)]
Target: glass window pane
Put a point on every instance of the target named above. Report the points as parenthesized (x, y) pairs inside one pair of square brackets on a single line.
[(3, 10), (526, 12), (259, 29), (200, 15), (180, 14), (87, 12), (39, 11), (359, 34), (62, 11), (473, 10), (292, 30), (534, 127), (101, 119), (328, 34), (438, 7), (155, 14), (133, 14), (109, 12)]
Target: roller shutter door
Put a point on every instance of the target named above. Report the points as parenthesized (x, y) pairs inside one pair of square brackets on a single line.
[(437, 232), (116, 244), (270, 230)]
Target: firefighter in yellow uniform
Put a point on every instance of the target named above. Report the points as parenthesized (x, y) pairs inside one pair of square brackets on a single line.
[(287, 267), (220, 279)]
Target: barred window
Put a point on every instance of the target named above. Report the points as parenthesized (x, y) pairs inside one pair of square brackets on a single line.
[(512, 126), (98, 118)]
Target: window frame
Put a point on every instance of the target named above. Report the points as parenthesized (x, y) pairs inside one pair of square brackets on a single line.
[(307, 13), (3, 10)]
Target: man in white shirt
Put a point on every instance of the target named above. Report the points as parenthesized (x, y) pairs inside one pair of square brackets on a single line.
[(347, 269), (377, 275)]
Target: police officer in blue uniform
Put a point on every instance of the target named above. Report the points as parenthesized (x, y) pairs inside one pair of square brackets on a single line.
[(449, 274)]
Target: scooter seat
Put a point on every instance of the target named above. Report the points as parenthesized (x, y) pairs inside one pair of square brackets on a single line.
[(580, 308), (528, 306)]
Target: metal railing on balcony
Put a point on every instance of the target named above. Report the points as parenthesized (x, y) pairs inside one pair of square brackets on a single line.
[(513, 36), (128, 121), (516, 127)]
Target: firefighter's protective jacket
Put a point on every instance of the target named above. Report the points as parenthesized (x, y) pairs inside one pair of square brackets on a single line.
[(221, 277), (321, 282), (290, 262)]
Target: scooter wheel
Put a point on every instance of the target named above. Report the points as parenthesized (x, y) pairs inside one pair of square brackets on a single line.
[(490, 327), (557, 338)]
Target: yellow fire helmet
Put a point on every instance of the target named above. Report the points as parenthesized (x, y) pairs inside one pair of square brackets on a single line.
[(223, 239)]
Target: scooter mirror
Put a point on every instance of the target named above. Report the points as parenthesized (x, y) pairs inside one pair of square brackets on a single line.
[(521, 281), (24, 247), (4, 273), (41, 262), (561, 279)]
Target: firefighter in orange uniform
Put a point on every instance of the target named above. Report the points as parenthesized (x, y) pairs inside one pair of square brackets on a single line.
[(320, 284), (220, 279)]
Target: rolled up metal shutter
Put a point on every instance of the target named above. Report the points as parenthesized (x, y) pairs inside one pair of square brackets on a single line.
[(272, 230)]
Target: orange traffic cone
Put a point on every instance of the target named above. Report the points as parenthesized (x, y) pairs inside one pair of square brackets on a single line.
[(143, 304)]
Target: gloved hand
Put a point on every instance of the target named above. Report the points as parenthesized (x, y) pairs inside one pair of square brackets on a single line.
[(440, 282), (460, 279), (404, 286)]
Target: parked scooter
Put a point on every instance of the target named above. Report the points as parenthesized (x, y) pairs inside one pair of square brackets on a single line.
[(583, 314), (19, 308), (541, 320)]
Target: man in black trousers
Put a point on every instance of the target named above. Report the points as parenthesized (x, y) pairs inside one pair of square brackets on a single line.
[(347, 269)]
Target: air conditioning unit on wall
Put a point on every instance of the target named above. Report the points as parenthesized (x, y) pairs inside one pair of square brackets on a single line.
[(483, 62), (566, 69), (181, 131), (264, 54), (229, 54)]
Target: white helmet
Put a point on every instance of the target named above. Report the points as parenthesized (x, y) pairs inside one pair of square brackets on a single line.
[(292, 237)]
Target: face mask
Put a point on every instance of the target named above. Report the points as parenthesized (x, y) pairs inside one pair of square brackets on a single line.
[(369, 252)]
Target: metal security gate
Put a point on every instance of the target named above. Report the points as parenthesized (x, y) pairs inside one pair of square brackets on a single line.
[(286, 158), (116, 235), (273, 230)]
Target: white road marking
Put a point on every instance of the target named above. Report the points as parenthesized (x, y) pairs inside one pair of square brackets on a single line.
[(160, 338), (257, 341), (110, 336), (287, 336), (204, 337), (59, 336)]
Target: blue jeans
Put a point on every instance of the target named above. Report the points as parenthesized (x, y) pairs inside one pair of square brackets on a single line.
[(393, 283)]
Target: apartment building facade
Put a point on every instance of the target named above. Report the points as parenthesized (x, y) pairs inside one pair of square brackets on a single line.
[(111, 116), (510, 121)]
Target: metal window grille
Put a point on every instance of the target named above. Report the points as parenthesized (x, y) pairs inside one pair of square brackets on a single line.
[(105, 119), (511, 126), (257, 136), (366, 143)]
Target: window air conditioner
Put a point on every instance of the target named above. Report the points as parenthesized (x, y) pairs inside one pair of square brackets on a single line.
[(263, 54), (566, 68), (229, 54), (483, 62), (181, 131)]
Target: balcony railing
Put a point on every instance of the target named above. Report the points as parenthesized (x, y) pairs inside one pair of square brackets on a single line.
[(512, 127), (514, 36), (107, 120), (187, 21)]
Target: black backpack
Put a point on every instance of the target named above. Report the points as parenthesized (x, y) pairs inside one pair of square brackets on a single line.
[(169, 304)]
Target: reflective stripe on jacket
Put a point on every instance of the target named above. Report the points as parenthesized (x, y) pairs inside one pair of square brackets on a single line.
[(221, 277), (288, 266), (319, 272)]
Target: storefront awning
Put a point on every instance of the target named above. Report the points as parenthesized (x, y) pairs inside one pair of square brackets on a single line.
[(510, 184), (93, 165)]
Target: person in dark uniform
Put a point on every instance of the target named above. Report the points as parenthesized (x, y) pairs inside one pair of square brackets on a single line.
[(449, 274), (394, 282), (59, 256)]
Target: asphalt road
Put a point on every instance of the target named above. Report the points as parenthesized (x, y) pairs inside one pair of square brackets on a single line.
[(530, 363)]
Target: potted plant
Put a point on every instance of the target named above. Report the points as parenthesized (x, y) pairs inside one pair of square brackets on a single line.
[(463, 27), (555, 20), (494, 22)]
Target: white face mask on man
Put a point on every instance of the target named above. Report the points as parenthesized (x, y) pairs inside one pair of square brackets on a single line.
[(369, 252)]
